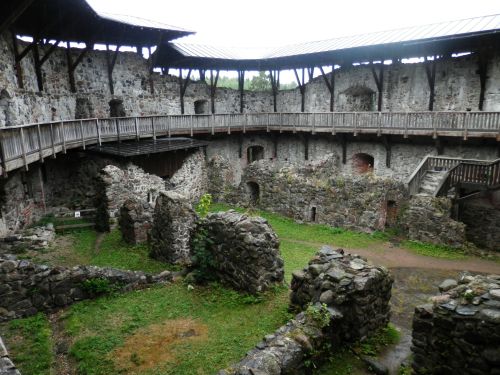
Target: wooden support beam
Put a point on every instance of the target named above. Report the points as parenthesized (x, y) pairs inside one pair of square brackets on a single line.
[(343, 142), (240, 146), (202, 74), (302, 88), (430, 70), (439, 144), (274, 75), (152, 61), (73, 65), (241, 87), (14, 15), (306, 146), (213, 88), (330, 85), (482, 70), (386, 140), (38, 67), (111, 62), (183, 86), (51, 50), (19, 69), (275, 146), (379, 81)]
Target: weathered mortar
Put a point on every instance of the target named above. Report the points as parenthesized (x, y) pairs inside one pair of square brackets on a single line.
[(26, 288), (459, 332)]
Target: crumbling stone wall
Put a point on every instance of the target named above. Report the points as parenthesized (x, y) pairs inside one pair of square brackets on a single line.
[(26, 288), (7, 367), (459, 332), (116, 185), (356, 294), (191, 180), (315, 192), (245, 251), (136, 220), (36, 238), (173, 225), (427, 219)]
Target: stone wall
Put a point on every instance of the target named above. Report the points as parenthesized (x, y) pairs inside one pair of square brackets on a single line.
[(356, 297), (427, 219), (26, 288), (459, 332), (135, 221), (245, 251), (481, 217), (405, 89), (7, 367), (191, 179), (173, 225), (316, 192)]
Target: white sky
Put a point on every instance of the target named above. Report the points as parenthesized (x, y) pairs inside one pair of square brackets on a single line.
[(270, 23)]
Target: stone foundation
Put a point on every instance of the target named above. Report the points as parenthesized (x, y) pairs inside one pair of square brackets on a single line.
[(136, 220), (428, 220), (352, 293), (7, 367), (173, 225), (36, 238), (27, 288), (245, 250), (459, 333), (482, 220)]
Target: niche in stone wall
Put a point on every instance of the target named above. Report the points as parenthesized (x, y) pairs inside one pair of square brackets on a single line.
[(362, 163), (359, 99), (391, 216), (200, 107), (84, 108), (116, 108), (312, 215), (253, 191), (255, 153)]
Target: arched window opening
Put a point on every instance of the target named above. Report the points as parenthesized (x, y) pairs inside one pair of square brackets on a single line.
[(362, 163), (253, 190), (255, 153), (200, 107)]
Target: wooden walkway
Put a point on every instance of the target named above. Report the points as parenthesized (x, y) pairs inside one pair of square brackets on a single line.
[(22, 145)]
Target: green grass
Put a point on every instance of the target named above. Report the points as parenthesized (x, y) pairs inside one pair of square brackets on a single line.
[(235, 324), (29, 343), (288, 229), (431, 250)]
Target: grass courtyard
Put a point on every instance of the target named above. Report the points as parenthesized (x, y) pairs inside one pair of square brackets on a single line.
[(174, 329)]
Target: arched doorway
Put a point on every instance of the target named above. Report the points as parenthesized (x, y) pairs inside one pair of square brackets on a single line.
[(362, 163), (253, 190), (255, 153)]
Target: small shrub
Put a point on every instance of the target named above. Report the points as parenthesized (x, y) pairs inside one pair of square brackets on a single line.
[(204, 205), (319, 315), (203, 259), (99, 286)]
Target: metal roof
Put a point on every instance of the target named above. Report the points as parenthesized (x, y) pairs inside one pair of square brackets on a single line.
[(404, 37), (137, 21)]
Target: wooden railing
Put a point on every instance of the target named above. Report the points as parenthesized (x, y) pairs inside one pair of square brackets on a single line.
[(22, 145), (477, 174)]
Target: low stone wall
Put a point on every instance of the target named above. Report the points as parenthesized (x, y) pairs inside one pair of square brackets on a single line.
[(245, 251), (173, 225), (316, 192), (482, 220), (7, 367), (350, 292), (428, 220), (136, 220), (351, 285), (36, 238), (459, 332), (26, 288)]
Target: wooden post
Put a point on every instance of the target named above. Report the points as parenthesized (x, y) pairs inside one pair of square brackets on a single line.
[(19, 68), (274, 76), (213, 87), (430, 70), (153, 127), (52, 140), (40, 147), (111, 62), (117, 125), (386, 140), (98, 131), (241, 87), (330, 84), (23, 148), (61, 125), (482, 70), (379, 81), (344, 149), (302, 88), (81, 132), (136, 125), (73, 65), (183, 87)]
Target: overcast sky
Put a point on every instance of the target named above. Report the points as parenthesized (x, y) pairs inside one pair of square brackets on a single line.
[(272, 23)]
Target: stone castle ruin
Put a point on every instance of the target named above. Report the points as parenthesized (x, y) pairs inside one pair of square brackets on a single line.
[(402, 134)]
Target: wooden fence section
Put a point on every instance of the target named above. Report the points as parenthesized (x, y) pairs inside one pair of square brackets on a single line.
[(22, 145)]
